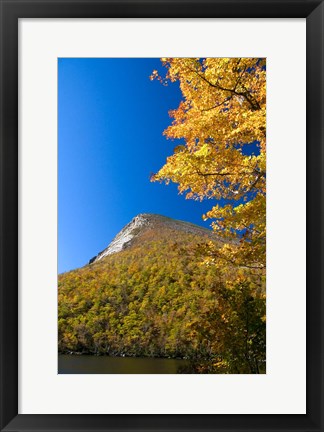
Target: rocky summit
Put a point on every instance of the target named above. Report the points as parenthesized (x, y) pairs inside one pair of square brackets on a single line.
[(144, 222)]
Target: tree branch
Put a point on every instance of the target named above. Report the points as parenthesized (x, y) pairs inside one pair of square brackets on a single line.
[(246, 94)]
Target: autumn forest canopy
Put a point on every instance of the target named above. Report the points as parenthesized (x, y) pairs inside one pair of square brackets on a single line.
[(192, 296)]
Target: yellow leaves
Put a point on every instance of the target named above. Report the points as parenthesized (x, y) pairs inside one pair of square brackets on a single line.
[(154, 75), (203, 151), (224, 319), (220, 363), (223, 108)]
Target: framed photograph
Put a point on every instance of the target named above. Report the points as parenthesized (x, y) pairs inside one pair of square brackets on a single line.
[(161, 174)]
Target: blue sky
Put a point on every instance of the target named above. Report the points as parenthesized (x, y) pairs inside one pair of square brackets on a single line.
[(110, 123)]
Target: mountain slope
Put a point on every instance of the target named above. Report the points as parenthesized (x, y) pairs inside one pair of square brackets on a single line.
[(147, 294), (143, 223)]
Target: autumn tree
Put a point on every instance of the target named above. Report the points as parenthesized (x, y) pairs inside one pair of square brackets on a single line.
[(221, 121)]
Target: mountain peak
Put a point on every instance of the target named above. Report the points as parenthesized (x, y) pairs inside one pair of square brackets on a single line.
[(141, 223)]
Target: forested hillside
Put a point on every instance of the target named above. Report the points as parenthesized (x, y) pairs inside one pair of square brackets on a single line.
[(156, 298)]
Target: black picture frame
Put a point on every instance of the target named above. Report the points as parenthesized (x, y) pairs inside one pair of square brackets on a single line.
[(11, 11)]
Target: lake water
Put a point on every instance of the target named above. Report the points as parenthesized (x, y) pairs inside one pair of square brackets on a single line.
[(88, 364)]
